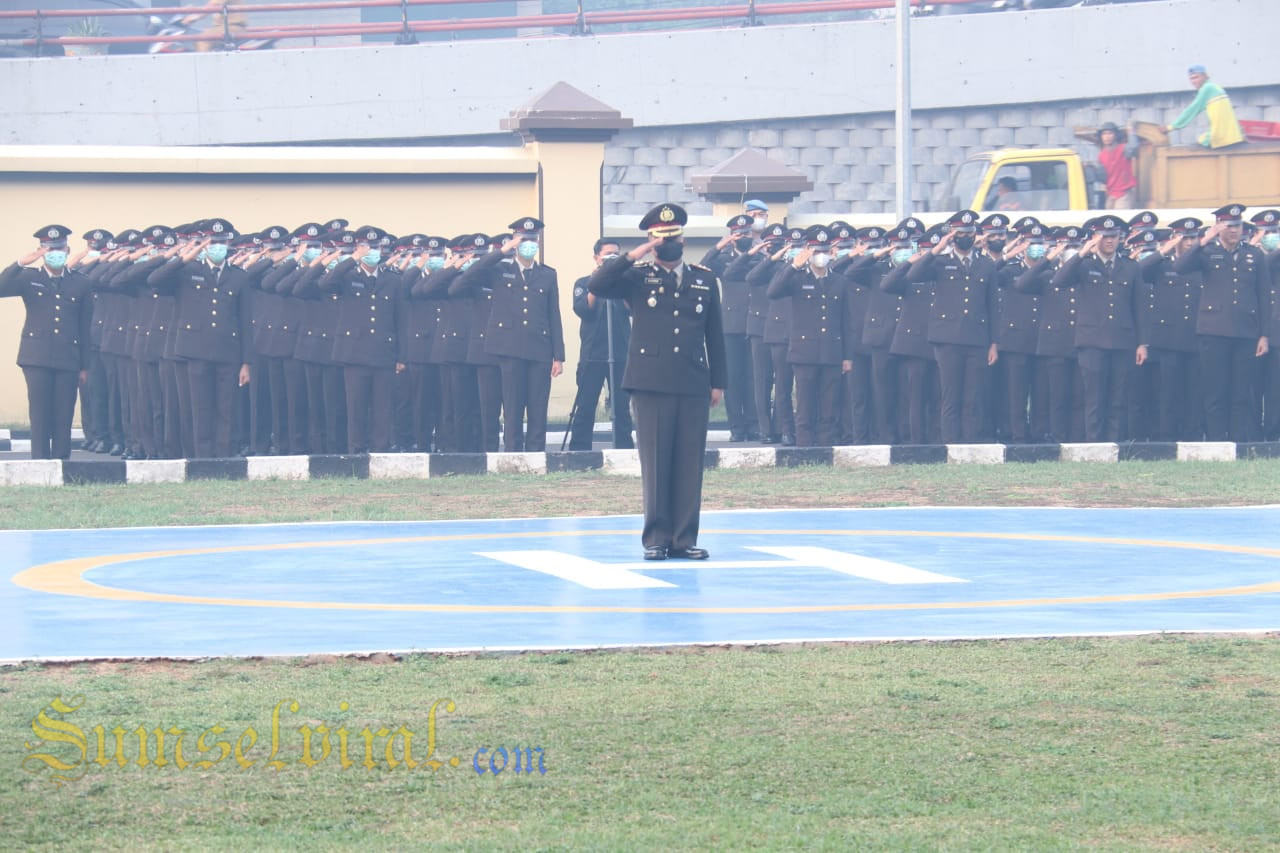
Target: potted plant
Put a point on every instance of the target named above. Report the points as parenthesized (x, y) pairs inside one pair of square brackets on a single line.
[(85, 28)]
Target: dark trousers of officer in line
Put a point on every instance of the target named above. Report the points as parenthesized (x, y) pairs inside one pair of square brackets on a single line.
[(671, 437), (213, 388), (368, 394), (1271, 395), (1227, 368), (591, 376), (462, 407), (425, 381), (1105, 375), (51, 403), (762, 381), (962, 373), (817, 390), (886, 387), (739, 397), (856, 408), (149, 403), (176, 396), (1017, 371), (526, 387), (784, 377), (1176, 384), (489, 387)]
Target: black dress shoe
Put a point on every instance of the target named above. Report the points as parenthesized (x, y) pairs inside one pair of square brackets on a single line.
[(788, 441), (116, 450), (688, 553), (770, 439), (736, 437), (655, 552)]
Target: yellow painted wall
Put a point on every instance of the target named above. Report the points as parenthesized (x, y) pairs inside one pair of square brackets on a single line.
[(442, 192)]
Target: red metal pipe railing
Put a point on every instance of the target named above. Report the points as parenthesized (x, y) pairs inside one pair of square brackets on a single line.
[(230, 35)]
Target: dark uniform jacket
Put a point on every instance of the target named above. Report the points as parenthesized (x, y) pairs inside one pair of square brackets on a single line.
[(735, 293), (963, 306), (1106, 300), (208, 318), (677, 335), (524, 318), (816, 335), (1168, 307), (777, 312), (1017, 314), (1234, 289), (56, 331), (1057, 333), (319, 319), (368, 304), (594, 331), (757, 300), (911, 335), (880, 319)]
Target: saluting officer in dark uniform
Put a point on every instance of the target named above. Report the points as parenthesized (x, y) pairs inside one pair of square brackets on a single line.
[(1167, 318), (675, 372), (1268, 239), (365, 341), (777, 326), (524, 331), (1016, 331), (771, 239), (960, 320), (54, 350), (735, 295), (209, 334), (816, 339), (911, 341), (1106, 338), (1229, 323), (93, 402)]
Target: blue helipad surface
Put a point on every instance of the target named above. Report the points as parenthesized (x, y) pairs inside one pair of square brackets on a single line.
[(848, 574)]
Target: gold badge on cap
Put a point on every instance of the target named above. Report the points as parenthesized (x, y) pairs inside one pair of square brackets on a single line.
[(667, 214)]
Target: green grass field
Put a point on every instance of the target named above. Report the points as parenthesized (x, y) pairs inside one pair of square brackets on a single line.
[(1146, 743)]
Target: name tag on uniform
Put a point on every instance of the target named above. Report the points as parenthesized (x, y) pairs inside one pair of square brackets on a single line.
[(698, 285), (652, 280)]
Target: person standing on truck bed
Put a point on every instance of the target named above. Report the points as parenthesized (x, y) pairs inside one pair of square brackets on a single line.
[(1116, 153), (1211, 99)]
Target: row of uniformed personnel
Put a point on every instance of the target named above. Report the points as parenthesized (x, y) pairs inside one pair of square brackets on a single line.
[(981, 330), (337, 348)]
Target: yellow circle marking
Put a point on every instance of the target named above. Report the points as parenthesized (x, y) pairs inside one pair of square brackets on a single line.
[(66, 577)]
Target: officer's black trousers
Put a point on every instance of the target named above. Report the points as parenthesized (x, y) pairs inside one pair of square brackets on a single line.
[(1105, 375), (526, 389), (1227, 368), (885, 390), (817, 389), (739, 393), (762, 384), (368, 395), (856, 406), (671, 441), (214, 387), (51, 403), (784, 416), (962, 371), (489, 386), (591, 379)]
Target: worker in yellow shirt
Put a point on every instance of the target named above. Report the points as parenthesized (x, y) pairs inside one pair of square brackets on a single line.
[(1212, 100)]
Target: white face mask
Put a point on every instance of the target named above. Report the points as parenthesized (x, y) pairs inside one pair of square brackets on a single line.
[(759, 223), (820, 260)]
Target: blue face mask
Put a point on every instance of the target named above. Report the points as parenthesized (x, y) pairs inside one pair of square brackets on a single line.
[(372, 258), (1036, 251), (216, 253), (333, 263), (310, 253), (435, 262), (1271, 241), (791, 253), (528, 250), (92, 253), (468, 262), (901, 256), (56, 259), (840, 253)]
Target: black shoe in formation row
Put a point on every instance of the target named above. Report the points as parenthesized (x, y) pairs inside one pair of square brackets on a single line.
[(662, 552)]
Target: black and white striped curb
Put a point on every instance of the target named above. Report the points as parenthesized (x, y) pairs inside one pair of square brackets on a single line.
[(387, 466)]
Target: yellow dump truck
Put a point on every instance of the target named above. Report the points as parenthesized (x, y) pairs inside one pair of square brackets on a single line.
[(1039, 179)]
